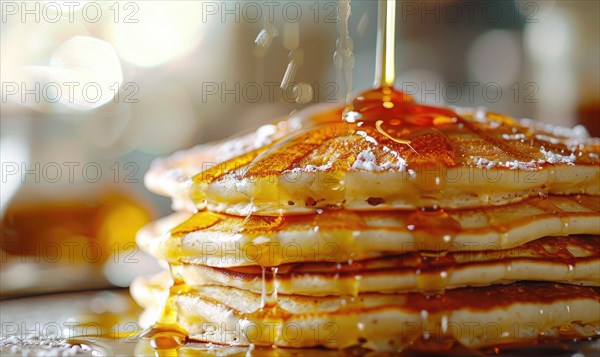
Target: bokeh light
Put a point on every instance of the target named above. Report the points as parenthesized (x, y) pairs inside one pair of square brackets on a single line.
[(549, 43), (162, 34), (92, 65), (424, 85), (495, 56), (157, 128), (551, 38)]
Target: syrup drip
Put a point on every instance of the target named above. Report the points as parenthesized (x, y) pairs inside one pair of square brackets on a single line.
[(166, 335), (348, 229), (556, 211), (432, 281), (433, 337), (590, 202), (501, 227), (433, 229), (348, 226), (268, 298), (561, 249)]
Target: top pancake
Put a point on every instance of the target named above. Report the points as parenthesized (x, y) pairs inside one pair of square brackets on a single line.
[(315, 160)]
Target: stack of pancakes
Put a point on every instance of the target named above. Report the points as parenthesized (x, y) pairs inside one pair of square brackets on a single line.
[(470, 227)]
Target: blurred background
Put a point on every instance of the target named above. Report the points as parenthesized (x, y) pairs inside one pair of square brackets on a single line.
[(92, 91)]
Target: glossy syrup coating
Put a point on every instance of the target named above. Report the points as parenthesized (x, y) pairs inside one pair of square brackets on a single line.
[(433, 155), (571, 260), (340, 235), (395, 121)]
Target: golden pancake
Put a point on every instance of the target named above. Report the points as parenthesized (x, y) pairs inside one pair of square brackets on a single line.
[(168, 176), (148, 237), (574, 259), (446, 158), (337, 236), (476, 317)]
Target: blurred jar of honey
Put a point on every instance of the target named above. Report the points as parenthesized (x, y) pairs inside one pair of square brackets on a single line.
[(69, 214), (71, 244)]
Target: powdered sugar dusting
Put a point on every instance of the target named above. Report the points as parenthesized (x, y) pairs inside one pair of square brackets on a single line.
[(517, 136), (483, 163), (312, 168), (550, 157), (42, 346), (367, 161), (555, 158), (521, 165), (367, 137)]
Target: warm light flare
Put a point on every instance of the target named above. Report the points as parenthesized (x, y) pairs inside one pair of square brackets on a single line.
[(162, 34)]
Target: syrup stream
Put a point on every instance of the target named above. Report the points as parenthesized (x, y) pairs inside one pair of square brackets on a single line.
[(386, 32)]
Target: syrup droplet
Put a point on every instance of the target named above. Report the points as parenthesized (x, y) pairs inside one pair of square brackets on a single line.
[(165, 342), (165, 336), (264, 39), (571, 270), (565, 224), (433, 229), (431, 280), (348, 226)]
